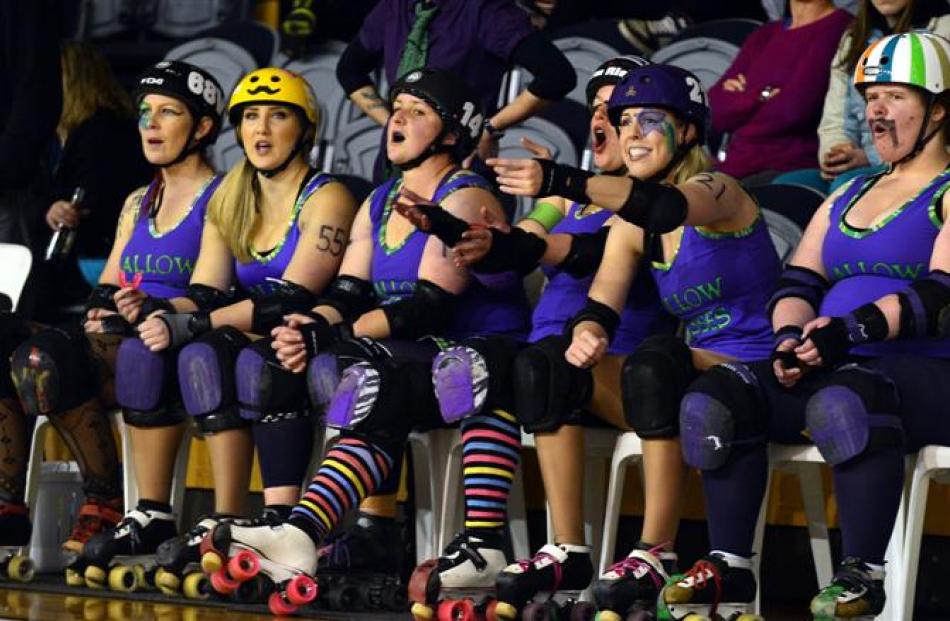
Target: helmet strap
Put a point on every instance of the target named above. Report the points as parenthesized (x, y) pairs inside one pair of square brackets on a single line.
[(435, 147), (191, 146), (922, 137), (298, 147), (678, 155)]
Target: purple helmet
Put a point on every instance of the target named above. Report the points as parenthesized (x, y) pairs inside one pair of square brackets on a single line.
[(662, 86)]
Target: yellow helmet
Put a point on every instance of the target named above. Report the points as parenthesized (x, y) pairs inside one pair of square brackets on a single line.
[(271, 85)]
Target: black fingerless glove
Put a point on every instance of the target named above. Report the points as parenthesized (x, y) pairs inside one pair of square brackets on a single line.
[(443, 225), (866, 324), (787, 358), (319, 334), (565, 181)]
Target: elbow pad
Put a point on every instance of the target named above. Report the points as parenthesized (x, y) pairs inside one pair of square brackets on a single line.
[(587, 250), (517, 250), (655, 207), (101, 297), (270, 308), (207, 298), (802, 283), (426, 311), (925, 306), (349, 296), (597, 312)]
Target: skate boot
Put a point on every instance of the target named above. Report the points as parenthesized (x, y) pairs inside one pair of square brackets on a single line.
[(232, 554), (710, 589), (15, 530), (461, 583), (123, 557), (95, 516), (633, 584), (179, 560), (856, 592), (547, 586), (360, 567)]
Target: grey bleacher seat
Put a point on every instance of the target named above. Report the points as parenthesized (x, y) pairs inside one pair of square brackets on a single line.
[(225, 60), (319, 69), (181, 19), (104, 18), (225, 152), (732, 30), (584, 54), (355, 148), (707, 58), (256, 37), (787, 209), (545, 133)]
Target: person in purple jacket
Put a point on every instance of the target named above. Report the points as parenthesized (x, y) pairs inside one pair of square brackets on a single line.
[(72, 378), (276, 232), (396, 286), (856, 367), (709, 251), (770, 99)]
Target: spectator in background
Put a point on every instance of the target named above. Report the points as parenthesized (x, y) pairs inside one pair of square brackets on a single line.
[(769, 99), (846, 145), (476, 39), (29, 72)]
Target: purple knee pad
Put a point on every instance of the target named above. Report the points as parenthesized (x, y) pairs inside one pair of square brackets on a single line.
[(199, 375), (707, 431), (323, 377), (840, 425), (250, 372), (460, 379), (355, 396), (139, 376)]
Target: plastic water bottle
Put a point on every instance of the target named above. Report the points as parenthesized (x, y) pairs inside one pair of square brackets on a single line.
[(61, 243)]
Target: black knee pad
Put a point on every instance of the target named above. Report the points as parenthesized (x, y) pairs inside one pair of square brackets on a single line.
[(721, 409), (264, 386), (652, 382), (549, 389), (53, 372), (857, 411)]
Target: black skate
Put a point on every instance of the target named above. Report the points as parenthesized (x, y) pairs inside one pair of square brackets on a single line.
[(856, 592), (710, 589), (15, 530), (633, 584), (548, 586)]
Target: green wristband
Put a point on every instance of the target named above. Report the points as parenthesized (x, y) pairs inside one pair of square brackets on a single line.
[(545, 214)]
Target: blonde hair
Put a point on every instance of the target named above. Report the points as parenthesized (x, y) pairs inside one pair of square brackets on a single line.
[(233, 208), (88, 84), (694, 162)]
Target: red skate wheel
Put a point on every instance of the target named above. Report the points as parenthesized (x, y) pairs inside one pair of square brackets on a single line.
[(457, 610), (222, 582), (301, 590), (244, 565), (490, 614), (278, 606), (583, 611), (419, 581)]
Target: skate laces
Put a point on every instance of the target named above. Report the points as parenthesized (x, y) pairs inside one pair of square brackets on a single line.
[(700, 574), (635, 562), (555, 564), (462, 544), (93, 518)]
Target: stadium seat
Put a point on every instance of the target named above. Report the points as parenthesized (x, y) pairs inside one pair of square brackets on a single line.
[(225, 60), (257, 38), (733, 31), (319, 69), (359, 187), (787, 210), (225, 152), (356, 147), (16, 261), (182, 19), (104, 18), (707, 58)]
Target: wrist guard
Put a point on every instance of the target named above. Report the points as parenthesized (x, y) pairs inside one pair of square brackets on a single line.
[(101, 297), (788, 358), (319, 335), (866, 324), (185, 327), (587, 249), (517, 250), (565, 181), (597, 312)]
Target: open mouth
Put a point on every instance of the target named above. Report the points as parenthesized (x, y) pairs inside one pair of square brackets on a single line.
[(881, 127), (263, 89), (155, 141), (599, 139), (262, 147), (398, 137), (637, 153)]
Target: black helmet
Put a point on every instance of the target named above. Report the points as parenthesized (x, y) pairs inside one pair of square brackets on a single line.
[(456, 104), (194, 87), (611, 71)]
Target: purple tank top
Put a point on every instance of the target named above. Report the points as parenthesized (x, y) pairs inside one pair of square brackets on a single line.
[(866, 264), (395, 269), (166, 260), (258, 276), (565, 295), (718, 285)]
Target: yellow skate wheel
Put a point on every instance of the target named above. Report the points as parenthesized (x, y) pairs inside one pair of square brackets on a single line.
[(123, 579), (196, 586), (608, 615), (749, 617), (167, 582), (211, 562), (142, 577), (74, 578), (95, 577), (421, 612), (20, 568), (505, 611)]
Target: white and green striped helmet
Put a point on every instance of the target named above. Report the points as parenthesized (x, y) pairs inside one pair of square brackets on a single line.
[(920, 59)]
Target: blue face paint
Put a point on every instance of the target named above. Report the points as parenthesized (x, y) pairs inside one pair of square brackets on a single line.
[(652, 120), (145, 116)]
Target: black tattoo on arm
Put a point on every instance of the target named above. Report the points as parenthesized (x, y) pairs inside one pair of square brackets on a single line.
[(711, 183), (373, 99), (332, 240)]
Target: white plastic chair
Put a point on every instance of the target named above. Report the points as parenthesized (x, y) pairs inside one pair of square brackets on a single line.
[(16, 261), (933, 463), (628, 450)]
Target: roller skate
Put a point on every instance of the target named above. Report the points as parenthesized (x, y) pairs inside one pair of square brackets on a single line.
[(179, 561), (856, 592), (711, 589), (360, 568), (123, 558), (15, 529), (95, 516), (461, 583), (632, 585), (547, 587), (232, 554)]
